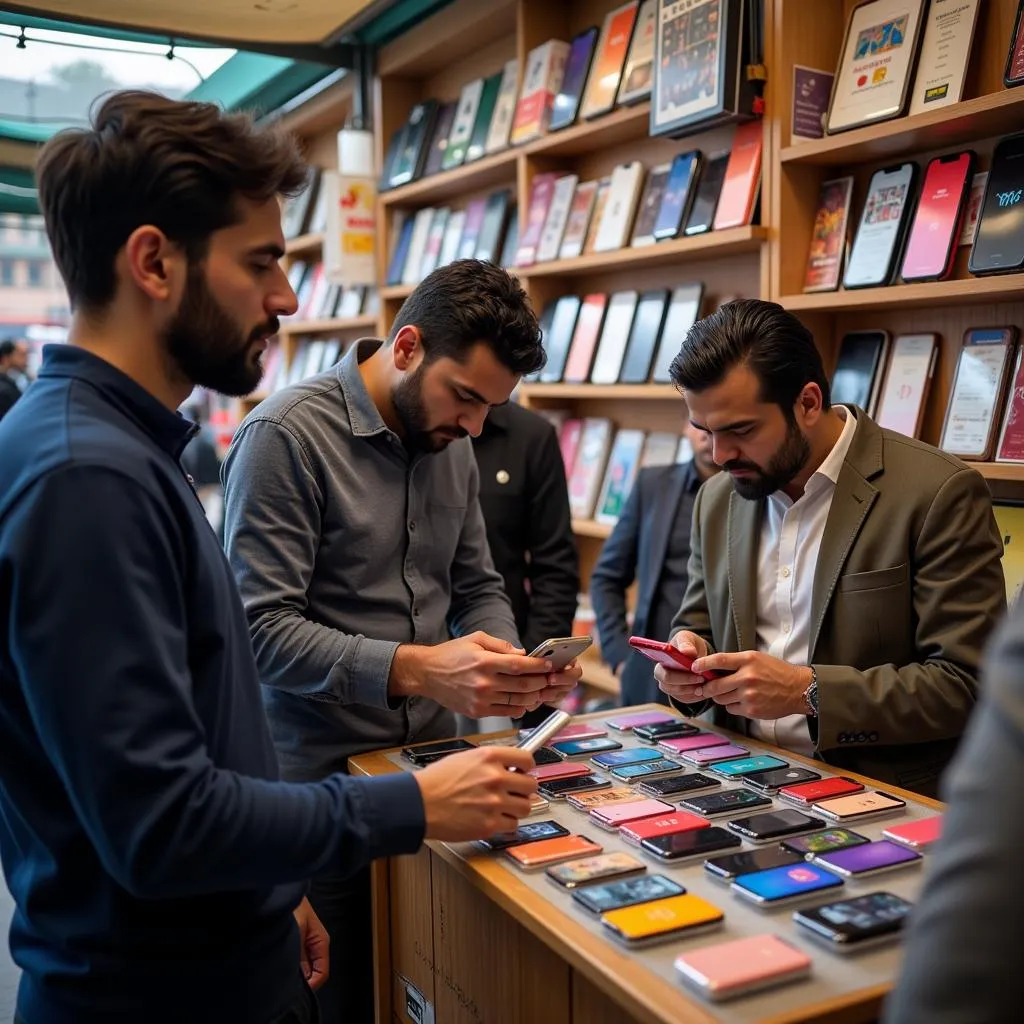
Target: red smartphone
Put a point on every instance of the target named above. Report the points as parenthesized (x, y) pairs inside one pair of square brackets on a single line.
[(935, 230), (665, 654), (807, 793)]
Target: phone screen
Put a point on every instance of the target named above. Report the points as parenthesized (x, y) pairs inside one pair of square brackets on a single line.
[(618, 322), (706, 199), (638, 771), (678, 784), (824, 842), (627, 893), (734, 864), (650, 313), (434, 751), (577, 64), (531, 832), (775, 778), (998, 243), (735, 799), (693, 843), (870, 857), (621, 757), (936, 220), (746, 765), (677, 191), (781, 883), (579, 784), (775, 823), (571, 748), (874, 245), (878, 913), (683, 311)]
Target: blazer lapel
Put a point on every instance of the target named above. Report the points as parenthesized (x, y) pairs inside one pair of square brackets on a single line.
[(744, 539), (851, 503)]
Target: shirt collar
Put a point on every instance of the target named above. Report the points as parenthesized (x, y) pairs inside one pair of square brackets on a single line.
[(363, 414), (832, 464), (170, 430)]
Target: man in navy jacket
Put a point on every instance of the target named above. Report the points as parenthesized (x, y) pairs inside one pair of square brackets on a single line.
[(157, 863)]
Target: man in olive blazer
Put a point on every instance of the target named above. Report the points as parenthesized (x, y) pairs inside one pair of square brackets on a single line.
[(905, 590)]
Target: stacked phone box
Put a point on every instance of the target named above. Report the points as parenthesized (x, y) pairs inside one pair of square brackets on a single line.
[(658, 830)]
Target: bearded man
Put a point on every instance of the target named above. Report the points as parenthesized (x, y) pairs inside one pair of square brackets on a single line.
[(843, 578), (353, 526)]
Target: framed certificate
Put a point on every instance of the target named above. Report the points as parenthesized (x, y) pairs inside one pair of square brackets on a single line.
[(876, 63), (976, 396), (1011, 437), (907, 383)]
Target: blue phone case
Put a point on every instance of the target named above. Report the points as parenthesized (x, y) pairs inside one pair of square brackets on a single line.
[(746, 765)]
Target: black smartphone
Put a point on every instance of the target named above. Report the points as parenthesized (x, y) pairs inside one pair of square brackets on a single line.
[(428, 753), (628, 893), (697, 843), (702, 215), (559, 789), (997, 245), (677, 784), (664, 730), (771, 780), (636, 369), (545, 755), (858, 923), (772, 825), (732, 865), (532, 832), (715, 804)]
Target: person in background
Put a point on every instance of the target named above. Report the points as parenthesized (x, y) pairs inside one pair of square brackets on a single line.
[(964, 946), (13, 373), (353, 525), (524, 498), (157, 863), (844, 578), (650, 544)]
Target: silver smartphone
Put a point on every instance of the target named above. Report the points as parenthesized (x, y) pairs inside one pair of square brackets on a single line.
[(551, 725), (560, 651)]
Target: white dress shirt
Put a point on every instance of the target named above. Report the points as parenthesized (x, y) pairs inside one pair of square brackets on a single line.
[(788, 552)]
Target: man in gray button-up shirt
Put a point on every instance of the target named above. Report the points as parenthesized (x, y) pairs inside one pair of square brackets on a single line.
[(353, 526)]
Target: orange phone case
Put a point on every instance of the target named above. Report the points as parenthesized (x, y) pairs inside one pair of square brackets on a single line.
[(551, 851), (662, 917), (584, 339), (742, 177), (844, 807)]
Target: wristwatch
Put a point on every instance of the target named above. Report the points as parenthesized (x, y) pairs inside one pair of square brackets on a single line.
[(811, 695)]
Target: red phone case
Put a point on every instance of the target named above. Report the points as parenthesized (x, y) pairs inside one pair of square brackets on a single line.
[(670, 824), (807, 793), (665, 654)]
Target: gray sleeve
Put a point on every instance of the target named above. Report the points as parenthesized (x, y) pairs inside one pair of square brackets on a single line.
[(273, 503), (965, 944), (478, 599)]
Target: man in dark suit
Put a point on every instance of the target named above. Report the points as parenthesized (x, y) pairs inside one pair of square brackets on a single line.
[(525, 503), (13, 365), (651, 544)]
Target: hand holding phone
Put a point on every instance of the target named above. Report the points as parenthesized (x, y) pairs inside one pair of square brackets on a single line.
[(675, 661)]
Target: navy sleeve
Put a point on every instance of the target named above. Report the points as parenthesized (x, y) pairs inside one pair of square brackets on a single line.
[(99, 644)]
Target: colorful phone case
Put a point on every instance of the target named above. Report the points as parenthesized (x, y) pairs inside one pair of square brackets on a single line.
[(575, 873), (547, 772), (697, 741), (635, 755), (627, 722), (867, 858), (917, 835), (584, 748), (615, 795), (807, 793), (703, 756), (620, 814), (742, 966), (663, 766), (860, 805), (671, 824), (661, 919), (551, 851), (746, 765)]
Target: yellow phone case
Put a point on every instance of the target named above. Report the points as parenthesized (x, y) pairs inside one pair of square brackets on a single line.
[(661, 916)]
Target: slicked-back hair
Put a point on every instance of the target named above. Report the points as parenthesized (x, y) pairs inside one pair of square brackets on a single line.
[(777, 348), (471, 301), (179, 166)]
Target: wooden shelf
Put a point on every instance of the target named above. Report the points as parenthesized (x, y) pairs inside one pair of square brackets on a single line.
[(304, 243), (589, 528), (628, 124), (710, 245), (345, 323), (601, 391), (946, 128), (397, 291), (1001, 288), (999, 470), (499, 169)]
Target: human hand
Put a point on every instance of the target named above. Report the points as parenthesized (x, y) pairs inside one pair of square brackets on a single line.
[(476, 675), (558, 686), (314, 946), (686, 687), (755, 685), (473, 794)]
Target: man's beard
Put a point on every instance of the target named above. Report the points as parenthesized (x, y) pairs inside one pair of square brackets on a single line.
[(783, 466), (208, 347), (407, 398)]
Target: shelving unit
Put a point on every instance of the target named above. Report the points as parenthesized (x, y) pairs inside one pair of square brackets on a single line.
[(305, 245), (333, 325)]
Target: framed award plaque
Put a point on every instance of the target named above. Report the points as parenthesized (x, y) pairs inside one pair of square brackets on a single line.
[(876, 63)]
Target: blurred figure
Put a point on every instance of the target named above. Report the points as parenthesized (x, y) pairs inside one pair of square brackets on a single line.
[(14, 376)]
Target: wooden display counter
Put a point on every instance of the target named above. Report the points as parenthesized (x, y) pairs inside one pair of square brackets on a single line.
[(461, 937)]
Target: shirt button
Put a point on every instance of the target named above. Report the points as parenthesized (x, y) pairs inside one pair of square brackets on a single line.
[(412, 527), (416, 613), (785, 572), (872, 737), (786, 628)]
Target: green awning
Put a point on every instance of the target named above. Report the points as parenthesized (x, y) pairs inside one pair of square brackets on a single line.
[(18, 191)]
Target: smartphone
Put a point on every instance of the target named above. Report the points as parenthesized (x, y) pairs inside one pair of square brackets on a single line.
[(732, 865), (631, 772), (534, 856), (743, 966), (428, 753), (863, 922), (868, 859), (627, 722), (878, 242), (634, 755), (935, 230), (997, 245), (616, 795), (576, 873), (547, 730), (584, 748), (859, 807), (665, 654), (703, 756), (772, 780), (778, 886), (702, 214), (675, 785), (628, 893), (664, 731), (678, 195), (545, 756), (664, 825), (917, 835), (562, 770), (577, 65), (824, 842), (671, 918), (771, 826), (714, 805), (531, 832), (748, 765), (611, 816), (806, 793), (576, 731), (560, 651), (687, 845), (559, 789), (695, 741)]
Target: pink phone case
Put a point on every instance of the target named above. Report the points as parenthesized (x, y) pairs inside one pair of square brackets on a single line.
[(731, 968), (917, 835), (627, 722), (579, 731), (709, 755), (619, 814), (698, 741), (547, 772)]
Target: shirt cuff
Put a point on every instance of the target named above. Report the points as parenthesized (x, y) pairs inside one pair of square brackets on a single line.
[(370, 670), (395, 813)]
